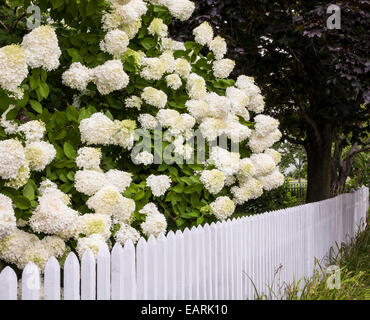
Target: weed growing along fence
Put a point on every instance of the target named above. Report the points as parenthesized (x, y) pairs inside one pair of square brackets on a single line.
[(217, 261)]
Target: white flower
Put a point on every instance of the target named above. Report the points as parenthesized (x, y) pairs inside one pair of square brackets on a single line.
[(123, 133), (89, 182), (274, 154), (196, 87), (199, 109), (40, 154), (51, 188), (13, 247), (246, 169), (93, 242), (169, 60), (110, 77), (263, 163), (133, 102), (144, 158), (222, 208), (33, 130), (203, 33), (220, 105), (181, 9), (213, 180), (107, 200), (10, 126), (173, 81), (93, 223), (250, 189), (111, 20), (182, 67), (265, 124), (13, 67), (147, 121), (131, 28), (219, 47), (259, 143), (77, 76), (272, 181), (131, 11), (157, 27), (12, 158), (97, 129), (21, 179), (170, 44), (126, 233), (115, 42), (88, 158), (42, 50), (120, 179), (211, 128), (7, 217), (154, 68), (222, 68), (158, 184), (155, 222), (239, 101), (256, 104), (225, 161), (154, 97), (52, 215)]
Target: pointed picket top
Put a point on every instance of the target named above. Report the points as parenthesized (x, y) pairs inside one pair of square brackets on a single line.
[(52, 280), (71, 278), (103, 273), (31, 282), (8, 284), (129, 245), (179, 234), (170, 235), (161, 238), (88, 276), (152, 240)]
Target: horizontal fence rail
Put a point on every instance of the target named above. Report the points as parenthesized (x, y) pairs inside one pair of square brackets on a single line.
[(225, 260)]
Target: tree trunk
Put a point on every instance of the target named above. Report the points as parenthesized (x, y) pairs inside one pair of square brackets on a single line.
[(318, 150)]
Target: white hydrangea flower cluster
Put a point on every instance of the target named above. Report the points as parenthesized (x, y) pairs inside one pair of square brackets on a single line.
[(155, 222), (17, 160), (7, 216), (158, 184), (125, 233), (20, 247), (213, 180), (107, 77), (42, 49), (100, 130), (222, 208), (145, 158), (39, 49)]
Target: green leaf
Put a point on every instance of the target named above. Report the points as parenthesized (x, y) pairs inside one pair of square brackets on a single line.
[(29, 191), (148, 43), (69, 151), (36, 106), (43, 90), (140, 195), (72, 114), (21, 202)]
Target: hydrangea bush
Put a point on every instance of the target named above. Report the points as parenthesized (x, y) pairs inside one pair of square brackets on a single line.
[(83, 97)]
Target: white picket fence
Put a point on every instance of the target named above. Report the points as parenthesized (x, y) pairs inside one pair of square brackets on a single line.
[(217, 261)]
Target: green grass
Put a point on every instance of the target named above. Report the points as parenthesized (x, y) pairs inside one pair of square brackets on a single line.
[(354, 263)]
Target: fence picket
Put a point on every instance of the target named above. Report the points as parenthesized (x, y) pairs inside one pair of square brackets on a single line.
[(129, 271), (8, 284), (103, 274), (117, 272), (52, 280), (88, 276), (71, 278), (31, 282)]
